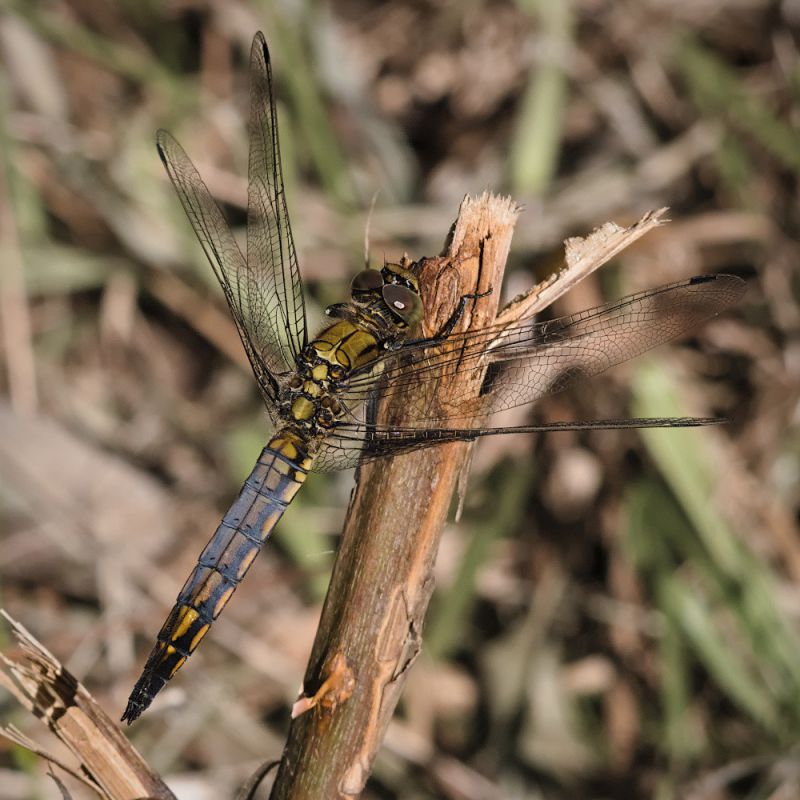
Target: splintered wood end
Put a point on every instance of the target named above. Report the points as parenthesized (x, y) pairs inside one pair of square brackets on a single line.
[(583, 255), (106, 761)]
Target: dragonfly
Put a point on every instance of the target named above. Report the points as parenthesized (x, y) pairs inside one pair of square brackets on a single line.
[(323, 394)]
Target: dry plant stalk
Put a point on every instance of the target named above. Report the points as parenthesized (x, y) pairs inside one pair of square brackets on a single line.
[(107, 762), (371, 627)]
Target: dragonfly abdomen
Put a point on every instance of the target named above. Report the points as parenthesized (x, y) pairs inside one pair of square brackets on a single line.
[(278, 474)]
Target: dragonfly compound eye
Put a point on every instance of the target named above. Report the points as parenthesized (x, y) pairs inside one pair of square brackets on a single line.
[(403, 302), (368, 280)]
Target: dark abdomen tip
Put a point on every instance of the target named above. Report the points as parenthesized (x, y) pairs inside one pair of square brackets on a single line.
[(147, 687)]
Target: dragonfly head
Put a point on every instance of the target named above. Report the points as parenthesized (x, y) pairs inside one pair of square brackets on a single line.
[(395, 286)]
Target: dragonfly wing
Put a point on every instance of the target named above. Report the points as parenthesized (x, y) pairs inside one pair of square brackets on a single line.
[(356, 443), (531, 359), (224, 255), (341, 452), (273, 287)]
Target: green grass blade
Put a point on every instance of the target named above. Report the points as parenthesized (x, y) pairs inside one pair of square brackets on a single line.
[(448, 621), (717, 92), (537, 137)]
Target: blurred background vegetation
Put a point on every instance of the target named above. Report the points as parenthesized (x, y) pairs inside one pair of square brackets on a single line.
[(617, 613)]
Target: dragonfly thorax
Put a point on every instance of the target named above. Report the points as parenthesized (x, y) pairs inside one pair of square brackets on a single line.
[(308, 400), (385, 305)]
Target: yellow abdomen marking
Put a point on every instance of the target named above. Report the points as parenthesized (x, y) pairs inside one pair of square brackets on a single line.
[(177, 665), (222, 602), (286, 447), (197, 638), (187, 616)]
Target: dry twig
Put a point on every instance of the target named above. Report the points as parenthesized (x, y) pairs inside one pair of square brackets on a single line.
[(107, 761)]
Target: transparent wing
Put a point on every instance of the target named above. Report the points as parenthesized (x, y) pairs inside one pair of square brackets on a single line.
[(520, 364), (225, 257), (264, 290), (355, 443), (530, 359), (273, 288)]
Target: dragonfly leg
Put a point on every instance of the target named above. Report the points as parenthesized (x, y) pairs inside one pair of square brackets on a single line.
[(441, 336)]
